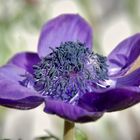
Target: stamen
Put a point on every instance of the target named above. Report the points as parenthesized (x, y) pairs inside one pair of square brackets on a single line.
[(70, 71)]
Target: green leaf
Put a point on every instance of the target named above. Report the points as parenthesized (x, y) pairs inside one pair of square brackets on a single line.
[(80, 135)]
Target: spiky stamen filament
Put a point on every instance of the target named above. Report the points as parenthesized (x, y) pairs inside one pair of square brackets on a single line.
[(69, 71)]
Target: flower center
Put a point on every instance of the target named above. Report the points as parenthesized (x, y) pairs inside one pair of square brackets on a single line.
[(70, 71)]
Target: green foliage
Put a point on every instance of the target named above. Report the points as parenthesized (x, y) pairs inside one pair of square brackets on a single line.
[(49, 136), (17, 16), (80, 135)]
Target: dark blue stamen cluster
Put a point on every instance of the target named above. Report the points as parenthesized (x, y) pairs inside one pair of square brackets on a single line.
[(69, 71)]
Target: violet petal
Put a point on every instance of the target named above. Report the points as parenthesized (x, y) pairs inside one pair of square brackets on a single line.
[(66, 27), (122, 57), (14, 95), (25, 60), (114, 99), (132, 79), (70, 112), (12, 72)]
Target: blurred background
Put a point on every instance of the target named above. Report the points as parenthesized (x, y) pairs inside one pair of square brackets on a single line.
[(20, 24)]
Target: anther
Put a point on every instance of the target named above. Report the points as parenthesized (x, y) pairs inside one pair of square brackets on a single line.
[(69, 71)]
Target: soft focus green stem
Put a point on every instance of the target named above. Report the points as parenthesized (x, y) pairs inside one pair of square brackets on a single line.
[(68, 130)]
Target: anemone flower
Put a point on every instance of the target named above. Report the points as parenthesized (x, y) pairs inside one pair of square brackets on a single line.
[(74, 82)]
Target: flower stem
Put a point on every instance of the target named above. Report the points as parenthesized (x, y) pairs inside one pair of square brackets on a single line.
[(68, 130)]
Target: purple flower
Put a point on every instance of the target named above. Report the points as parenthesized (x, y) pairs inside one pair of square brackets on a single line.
[(73, 82)]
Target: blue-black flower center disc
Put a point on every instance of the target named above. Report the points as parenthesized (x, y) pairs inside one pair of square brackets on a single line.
[(70, 71)]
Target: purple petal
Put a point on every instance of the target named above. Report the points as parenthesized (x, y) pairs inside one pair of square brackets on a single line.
[(122, 57), (70, 112), (132, 79), (25, 60), (12, 94), (12, 72), (111, 99), (16, 96), (67, 27)]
